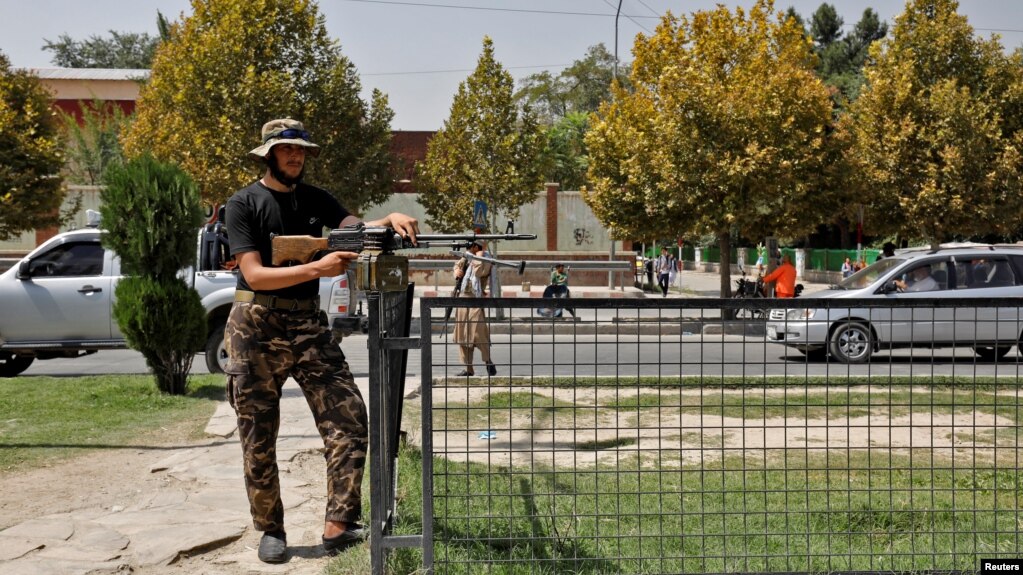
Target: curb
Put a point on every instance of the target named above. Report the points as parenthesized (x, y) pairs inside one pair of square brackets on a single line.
[(575, 327)]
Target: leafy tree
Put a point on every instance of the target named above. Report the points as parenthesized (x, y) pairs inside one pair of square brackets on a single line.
[(563, 103), (725, 129), (150, 213), (93, 142), (31, 189), (485, 151), (566, 159), (120, 50), (235, 64), (937, 128), (839, 64), (841, 58), (581, 87), (826, 25)]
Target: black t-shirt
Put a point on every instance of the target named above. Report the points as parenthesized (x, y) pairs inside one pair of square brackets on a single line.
[(255, 212)]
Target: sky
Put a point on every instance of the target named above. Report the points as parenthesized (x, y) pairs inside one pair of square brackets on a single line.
[(418, 51)]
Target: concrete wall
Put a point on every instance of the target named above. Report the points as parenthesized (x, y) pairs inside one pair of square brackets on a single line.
[(573, 227), (578, 228)]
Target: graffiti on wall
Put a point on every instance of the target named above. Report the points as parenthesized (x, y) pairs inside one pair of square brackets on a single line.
[(582, 236)]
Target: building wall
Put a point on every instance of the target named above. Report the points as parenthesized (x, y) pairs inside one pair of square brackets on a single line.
[(27, 241)]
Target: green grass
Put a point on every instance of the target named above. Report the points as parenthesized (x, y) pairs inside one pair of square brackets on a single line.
[(496, 409), (529, 407), (804, 510), (47, 418), (860, 512), (824, 403)]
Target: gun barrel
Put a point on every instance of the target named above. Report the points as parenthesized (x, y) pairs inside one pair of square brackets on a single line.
[(471, 237), (520, 265)]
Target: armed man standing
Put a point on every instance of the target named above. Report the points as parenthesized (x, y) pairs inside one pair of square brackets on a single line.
[(276, 329), (471, 328)]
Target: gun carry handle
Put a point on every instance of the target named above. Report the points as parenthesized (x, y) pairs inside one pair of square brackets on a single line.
[(300, 249)]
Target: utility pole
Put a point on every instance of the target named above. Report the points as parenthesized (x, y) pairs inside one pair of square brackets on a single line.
[(614, 74)]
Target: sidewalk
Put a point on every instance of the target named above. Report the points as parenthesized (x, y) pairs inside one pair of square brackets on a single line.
[(688, 284), (194, 521)]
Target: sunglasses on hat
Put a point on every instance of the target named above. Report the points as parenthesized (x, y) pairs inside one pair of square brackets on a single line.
[(289, 134)]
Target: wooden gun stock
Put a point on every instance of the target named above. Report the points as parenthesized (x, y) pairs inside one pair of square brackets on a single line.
[(299, 249)]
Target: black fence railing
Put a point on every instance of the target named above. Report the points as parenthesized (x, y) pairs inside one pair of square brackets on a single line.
[(653, 436)]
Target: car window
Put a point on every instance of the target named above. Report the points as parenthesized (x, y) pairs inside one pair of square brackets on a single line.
[(66, 260), (926, 276), (870, 274), (984, 272)]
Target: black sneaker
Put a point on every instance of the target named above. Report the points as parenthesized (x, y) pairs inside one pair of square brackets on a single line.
[(352, 536), (273, 547)]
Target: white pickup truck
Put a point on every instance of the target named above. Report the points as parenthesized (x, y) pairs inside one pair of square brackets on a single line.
[(56, 301)]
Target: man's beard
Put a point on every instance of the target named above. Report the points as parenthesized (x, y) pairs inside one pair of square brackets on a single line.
[(279, 175)]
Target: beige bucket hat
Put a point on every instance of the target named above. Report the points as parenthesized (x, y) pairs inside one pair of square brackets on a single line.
[(284, 131)]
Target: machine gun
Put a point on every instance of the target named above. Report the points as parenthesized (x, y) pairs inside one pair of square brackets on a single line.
[(377, 268)]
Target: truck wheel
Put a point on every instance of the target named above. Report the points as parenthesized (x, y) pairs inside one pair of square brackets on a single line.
[(852, 342), (216, 351), (991, 352), (11, 364)]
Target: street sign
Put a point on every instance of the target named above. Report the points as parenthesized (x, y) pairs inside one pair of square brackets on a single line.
[(479, 215)]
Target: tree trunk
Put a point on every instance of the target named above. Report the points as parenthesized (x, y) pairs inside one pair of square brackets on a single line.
[(725, 268), (725, 245)]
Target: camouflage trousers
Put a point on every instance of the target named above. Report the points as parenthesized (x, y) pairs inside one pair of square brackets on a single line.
[(265, 347)]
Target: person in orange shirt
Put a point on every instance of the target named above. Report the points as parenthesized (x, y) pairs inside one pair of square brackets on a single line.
[(785, 275)]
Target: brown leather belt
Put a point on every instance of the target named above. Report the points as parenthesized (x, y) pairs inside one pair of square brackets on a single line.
[(275, 302)]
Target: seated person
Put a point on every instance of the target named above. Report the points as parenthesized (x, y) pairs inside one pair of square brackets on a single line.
[(559, 280), (920, 280)]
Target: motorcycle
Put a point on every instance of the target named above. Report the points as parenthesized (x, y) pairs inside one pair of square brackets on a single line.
[(746, 288)]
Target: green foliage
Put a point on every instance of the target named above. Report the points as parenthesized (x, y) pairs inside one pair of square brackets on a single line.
[(120, 50), (726, 128), (93, 142), (486, 151), (841, 59), (582, 87), (31, 189), (566, 158), (563, 103), (150, 213), (233, 65), (165, 321), (826, 25), (937, 128)]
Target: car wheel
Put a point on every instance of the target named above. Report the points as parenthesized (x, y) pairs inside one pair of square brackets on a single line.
[(11, 364), (852, 343), (991, 352), (216, 350)]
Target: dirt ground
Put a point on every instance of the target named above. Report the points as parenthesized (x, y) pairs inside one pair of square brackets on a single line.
[(109, 479)]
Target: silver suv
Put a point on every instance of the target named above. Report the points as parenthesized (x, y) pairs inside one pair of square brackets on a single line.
[(852, 334)]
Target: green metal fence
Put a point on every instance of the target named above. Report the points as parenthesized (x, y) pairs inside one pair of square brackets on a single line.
[(819, 259)]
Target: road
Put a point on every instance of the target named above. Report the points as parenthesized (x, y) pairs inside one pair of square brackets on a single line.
[(607, 355)]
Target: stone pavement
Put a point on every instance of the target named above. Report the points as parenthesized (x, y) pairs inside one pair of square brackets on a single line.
[(200, 506)]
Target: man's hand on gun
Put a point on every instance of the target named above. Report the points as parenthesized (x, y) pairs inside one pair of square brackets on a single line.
[(333, 264), (406, 226)]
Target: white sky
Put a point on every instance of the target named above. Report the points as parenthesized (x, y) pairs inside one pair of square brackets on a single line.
[(417, 51)]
